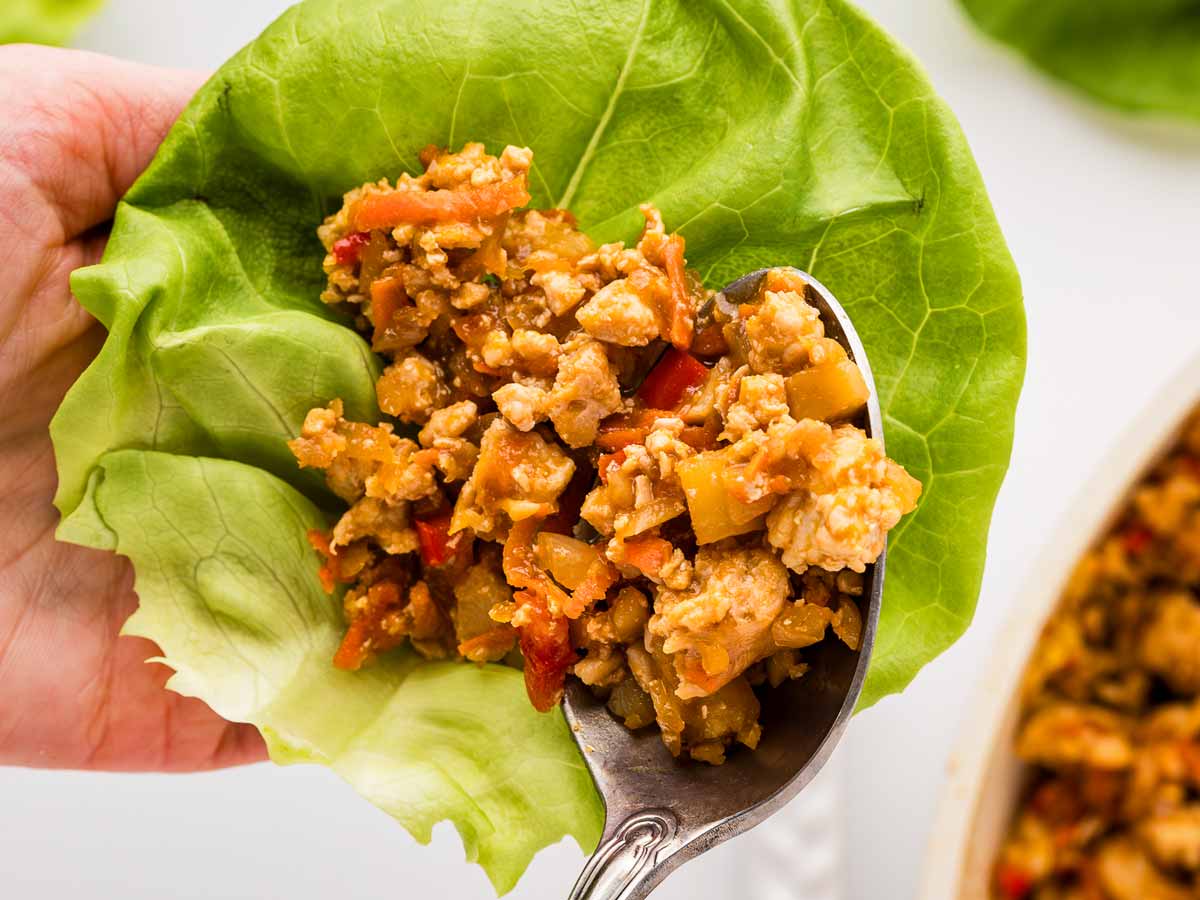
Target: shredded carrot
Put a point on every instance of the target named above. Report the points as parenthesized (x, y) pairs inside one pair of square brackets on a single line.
[(365, 634), (648, 554), (601, 575), (680, 312), (383, 210), (619, 431), (489, 645), (320, 542), (355, 647)]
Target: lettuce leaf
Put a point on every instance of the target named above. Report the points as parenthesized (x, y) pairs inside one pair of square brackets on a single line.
[(224, 573), (44, 21), (1137, 55), (768, 131)]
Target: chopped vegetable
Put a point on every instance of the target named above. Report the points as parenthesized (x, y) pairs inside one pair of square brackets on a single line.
[(650, 515), (1137, 538), (1014, 883), (680, 318), (522, 570), (346, 250), (676, 373), (648, 554), (717, 514), (827, 392), (546, 645), (489, 645), (567, 559), (801, 625), (389, 209), (617, 432), (387, 296), (433, 536), (710, 341)]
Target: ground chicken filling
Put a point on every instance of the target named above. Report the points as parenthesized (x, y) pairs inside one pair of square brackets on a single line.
[(592, 464), (1110, 716)]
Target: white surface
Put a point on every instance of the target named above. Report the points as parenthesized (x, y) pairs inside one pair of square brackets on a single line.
[(1103, 221)]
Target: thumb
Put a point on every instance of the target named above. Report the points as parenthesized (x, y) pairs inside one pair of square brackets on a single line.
[(78, 128)]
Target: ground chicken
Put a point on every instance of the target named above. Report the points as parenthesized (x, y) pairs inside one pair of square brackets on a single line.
[(519, 475), (1169, 646), (585, 391), (619, 315), (1125, 873), (716, 629), (444, 433), (1067, 734), (412, 388), (473, 540), (523, 404), (852, 496), (761, 400), (780, 332), (388, 525), (1173, 838)]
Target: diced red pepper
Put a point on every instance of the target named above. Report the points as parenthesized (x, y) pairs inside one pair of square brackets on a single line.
[(389, 209), (1137, 538), (1014, 883), (347, 249), (672, 377), (546, 646), (433, 538)]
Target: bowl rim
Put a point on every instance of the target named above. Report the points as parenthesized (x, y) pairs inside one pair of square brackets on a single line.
[(989, 716)]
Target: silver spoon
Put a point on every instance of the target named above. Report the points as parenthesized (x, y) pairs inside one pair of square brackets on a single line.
[(660, 812)]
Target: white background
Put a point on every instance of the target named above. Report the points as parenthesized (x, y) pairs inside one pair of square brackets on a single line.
[(1103, 216)]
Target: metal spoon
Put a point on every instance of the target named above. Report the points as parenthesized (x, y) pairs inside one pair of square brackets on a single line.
[(660, 812)]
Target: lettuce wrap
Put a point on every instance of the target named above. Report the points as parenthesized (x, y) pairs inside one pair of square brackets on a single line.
[(768, 133)]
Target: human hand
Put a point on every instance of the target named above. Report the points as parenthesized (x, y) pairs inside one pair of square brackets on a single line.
[(76, 129)]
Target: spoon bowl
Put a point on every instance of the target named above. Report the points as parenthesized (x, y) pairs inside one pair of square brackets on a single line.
[(660, 811)]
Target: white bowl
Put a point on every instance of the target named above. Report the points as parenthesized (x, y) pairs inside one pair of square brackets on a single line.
[(985, 777)]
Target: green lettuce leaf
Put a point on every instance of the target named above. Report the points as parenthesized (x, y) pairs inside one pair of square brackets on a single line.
[(227, 589), (768, 131), (1138, 55), (44, 21)]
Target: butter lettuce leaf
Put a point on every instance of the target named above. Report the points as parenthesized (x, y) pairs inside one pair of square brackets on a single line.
[(227, 590), (1137, 55), (52, 22), (770, 132)]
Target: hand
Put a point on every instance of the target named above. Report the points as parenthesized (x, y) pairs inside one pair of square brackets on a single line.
[(76, 129)]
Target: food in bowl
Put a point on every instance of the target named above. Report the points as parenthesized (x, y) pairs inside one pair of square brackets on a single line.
[(1110, 710), (601, 467)]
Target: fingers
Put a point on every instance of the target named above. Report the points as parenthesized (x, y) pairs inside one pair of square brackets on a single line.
[(78, 128)]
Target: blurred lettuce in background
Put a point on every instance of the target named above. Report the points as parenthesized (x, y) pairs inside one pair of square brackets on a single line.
[(44, 21), (1137, 55)]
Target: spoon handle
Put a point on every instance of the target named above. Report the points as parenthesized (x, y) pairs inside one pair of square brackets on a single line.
[(626, 866)]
